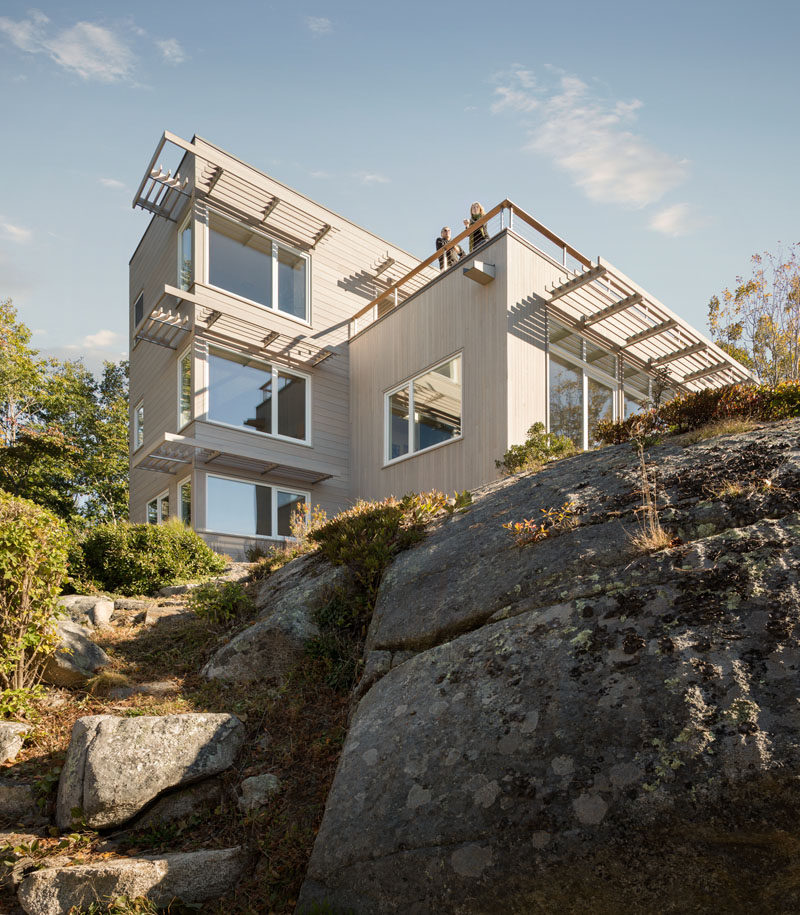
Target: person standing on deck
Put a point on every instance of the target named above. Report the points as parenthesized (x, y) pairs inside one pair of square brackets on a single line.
[(452, 254), (476, 212)]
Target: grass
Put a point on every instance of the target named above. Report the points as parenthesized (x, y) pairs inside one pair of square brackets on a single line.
[(651, 535), (716, 429)]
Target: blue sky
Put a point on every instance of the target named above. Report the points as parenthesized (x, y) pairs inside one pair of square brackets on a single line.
[(663, 137)]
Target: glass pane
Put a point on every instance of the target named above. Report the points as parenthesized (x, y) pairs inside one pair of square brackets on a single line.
[(602, 359), (564, 338), (152, 512), (398, 433), (601, 406), (163, 505), (244, 269), (288, 504), (237, 507), (291, 283), (291, 406), (239, 391), (138, 309), (437, 405), (139, 421), (566, 400), (185, 270), (636, 383), (186, 390), (186, 503), (631, 406)]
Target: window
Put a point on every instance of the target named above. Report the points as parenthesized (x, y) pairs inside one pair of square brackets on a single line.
[(256, 395), (158, 509), (425, 411), (185, 502), (185, 389), (138, 425), (250, 509), (185, 256), (566, 400), (255, 267), (138, 310)]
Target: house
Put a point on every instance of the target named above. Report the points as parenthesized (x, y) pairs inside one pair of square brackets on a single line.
[(282, 356)]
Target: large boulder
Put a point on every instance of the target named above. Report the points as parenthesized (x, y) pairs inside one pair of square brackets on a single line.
[(191, 877), (87, 610), (584, 726), (12, 735), (269, 648), (116, 766), (77, 658)]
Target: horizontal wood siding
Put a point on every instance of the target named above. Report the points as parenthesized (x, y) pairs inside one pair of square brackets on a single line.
[(454, 314)]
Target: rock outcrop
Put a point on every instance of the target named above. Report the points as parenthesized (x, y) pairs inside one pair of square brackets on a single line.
[(88, 610), (116, 766), (12, 735), (191, 877), (77, 658), (574, 724)]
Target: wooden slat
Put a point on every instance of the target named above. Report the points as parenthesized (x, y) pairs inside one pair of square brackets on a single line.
[(623, 305), (651, 332), (583, 279), (704, 373), (679, 354)]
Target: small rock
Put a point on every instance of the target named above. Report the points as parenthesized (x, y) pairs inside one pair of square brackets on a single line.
[(159, 689), (12, 734), (191, 877), (17, 803), (88, 610), (181, 805), (130, 603), (172, 590), (155, 614), (24, 867), (257, 790), (77, 658)]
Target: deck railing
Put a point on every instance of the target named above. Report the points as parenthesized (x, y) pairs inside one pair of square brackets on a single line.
[(506, 215)]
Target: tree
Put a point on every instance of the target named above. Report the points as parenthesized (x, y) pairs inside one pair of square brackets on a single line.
[(63, 434), (758, 323)]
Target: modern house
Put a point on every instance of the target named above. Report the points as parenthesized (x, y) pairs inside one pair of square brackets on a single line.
[(283, 356)]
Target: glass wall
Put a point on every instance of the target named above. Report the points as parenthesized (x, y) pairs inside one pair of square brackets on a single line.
[(250, 509), (185, 502), (566, 400), (185, 389), (426, 411), (240, 393)]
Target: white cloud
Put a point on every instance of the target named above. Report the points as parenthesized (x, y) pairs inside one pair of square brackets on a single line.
[(590, 138), (319, 25), (674, 220), (90, 50), (112, 183), (372, 178), (19, 234), (320, 174), (172, 52), (103, 339)]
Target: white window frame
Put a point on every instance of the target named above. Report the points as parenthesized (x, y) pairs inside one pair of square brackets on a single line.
[(179, 256), (276, 367), (274, 488), (159, 500), (138, 425), (306, 321), (181, 358), (179, 513), (387, 415)]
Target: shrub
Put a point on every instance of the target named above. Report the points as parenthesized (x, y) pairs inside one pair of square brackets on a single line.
[(540, 448), (141, 558), (220, 601), (33, 563), (553, 521)]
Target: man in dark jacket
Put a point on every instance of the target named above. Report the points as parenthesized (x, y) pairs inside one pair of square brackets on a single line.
[(452, 254)]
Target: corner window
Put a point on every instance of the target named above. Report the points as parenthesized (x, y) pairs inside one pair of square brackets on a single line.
[(253, 266), (250, 509), (256, 395), (185, 257), (185, 389), (138, 310), (185, 502), (158, 509), (138, 425), (425, 411)]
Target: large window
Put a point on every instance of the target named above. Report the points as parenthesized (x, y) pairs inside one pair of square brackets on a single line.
[(425, 411), (250, 509), (256, 395), (158, 509), (566, 400), (185, 389), (257, 268)]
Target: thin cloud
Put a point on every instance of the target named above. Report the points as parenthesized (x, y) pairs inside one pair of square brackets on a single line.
[(591, 138), (372, 178), (318, 25), (320, 174), (92, 51), (103, 339), (172, 52), (18, 234), (674, 220), (112, 183)]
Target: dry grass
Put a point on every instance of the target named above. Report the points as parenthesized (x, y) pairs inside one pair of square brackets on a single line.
[(101, 684), (651, 535), (719, 427)]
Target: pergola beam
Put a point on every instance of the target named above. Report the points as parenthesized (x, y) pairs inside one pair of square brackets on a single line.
[(623, 304), (592, 274), (653, 331), (679, 354), (704, 373)]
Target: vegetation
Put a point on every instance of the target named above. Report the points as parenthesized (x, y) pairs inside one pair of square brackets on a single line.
[(33, 563), (553, 521), (540, 448), (758, 322), (220, 601), (141, 558), (63, 433)]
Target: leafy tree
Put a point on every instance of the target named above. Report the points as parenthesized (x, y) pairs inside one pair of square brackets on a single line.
[(758, 322)]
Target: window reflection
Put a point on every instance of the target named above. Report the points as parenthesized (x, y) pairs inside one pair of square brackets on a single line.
[(398, 412), (244, 269), (291, 405), (600, 407), (288, 504), (239, 393), (437, 406), (566, 400), (291, 283), (238, 507)]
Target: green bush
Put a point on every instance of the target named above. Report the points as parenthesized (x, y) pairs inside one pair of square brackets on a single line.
[(540, 448), (33, 563), (141, 558), (220, 601)]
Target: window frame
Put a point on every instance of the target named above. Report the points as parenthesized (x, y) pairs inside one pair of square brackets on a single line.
[(138, 425), (186, 481), (188, 222), (183, 356), (274, 489), (275, 243), (275, 367), (159, 501), (388, 460)]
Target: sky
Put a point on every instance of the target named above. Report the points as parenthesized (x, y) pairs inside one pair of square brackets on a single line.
[(662, 137)]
